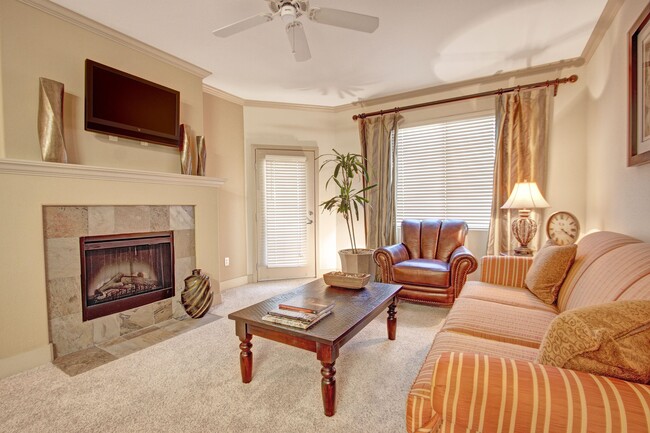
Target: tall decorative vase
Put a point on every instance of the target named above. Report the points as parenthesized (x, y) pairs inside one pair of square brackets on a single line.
[(201, 154), (188, 152), (197, 294), (50, 120)]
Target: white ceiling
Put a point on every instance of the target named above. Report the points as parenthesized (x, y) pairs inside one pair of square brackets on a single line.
[(419, 43)]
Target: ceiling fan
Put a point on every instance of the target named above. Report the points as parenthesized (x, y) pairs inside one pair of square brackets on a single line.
[(290, 11)]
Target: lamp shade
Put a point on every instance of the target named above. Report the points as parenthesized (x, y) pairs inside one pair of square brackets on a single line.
[(525, 195)]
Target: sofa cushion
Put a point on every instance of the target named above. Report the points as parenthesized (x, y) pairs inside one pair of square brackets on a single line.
[(422, 272), (499, 322), (549, 268), (611, 339), (515, 296)]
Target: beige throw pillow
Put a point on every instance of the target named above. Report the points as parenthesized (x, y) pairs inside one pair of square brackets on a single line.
[(610, 339), (550, 267)]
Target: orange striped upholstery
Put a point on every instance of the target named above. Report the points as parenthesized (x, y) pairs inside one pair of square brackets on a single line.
[(505, 270), (590, 249), (515, 296), (419, 412), (473, 393), (494, 321), (610, 276), (639, 290)]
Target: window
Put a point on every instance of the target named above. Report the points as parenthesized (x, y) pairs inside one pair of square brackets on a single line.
[(445, 170)]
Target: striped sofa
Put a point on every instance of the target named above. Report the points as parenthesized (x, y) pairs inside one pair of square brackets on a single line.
[(480, 374)]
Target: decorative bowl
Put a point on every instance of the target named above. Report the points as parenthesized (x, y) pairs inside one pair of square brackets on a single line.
[(346, 280)]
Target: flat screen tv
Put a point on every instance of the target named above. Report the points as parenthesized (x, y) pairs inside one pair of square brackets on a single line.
[(127, 106)]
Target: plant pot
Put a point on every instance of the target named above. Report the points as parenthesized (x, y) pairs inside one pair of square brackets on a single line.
[(359, 263)]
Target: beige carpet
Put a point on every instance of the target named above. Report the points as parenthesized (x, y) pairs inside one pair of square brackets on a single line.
[(192, 383)]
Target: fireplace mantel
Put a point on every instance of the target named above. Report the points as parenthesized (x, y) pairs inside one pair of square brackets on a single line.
[(88, 172)]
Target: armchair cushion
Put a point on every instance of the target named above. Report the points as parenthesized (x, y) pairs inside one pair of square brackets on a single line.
[(610, 339), (423, 272)]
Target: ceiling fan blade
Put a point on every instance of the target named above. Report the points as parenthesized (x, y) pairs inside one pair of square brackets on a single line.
[(345, 19), (298, 41), (242, 25)]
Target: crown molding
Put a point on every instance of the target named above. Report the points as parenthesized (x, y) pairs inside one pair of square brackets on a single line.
[(223, 95), (74, 18), (89, 172), (602, 25), (290, 106)]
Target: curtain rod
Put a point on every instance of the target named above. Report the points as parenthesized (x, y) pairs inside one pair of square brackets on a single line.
[(555, 83)]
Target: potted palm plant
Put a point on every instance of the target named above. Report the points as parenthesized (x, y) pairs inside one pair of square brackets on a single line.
[(349, 169)]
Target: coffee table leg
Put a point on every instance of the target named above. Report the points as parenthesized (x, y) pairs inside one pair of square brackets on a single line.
[(328, 388), (246, 358), (391, 322)]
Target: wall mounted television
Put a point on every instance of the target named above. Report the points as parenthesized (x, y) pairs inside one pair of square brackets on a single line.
[(124, 105)]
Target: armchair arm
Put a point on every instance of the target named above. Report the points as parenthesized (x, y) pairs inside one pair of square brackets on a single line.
[(505, 270), (461, 263), (472, 393), (386, 257)]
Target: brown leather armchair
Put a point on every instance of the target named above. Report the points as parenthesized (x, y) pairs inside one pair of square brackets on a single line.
[(431, 263)]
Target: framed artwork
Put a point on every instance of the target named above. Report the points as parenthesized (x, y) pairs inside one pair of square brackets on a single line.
[(639, 91)]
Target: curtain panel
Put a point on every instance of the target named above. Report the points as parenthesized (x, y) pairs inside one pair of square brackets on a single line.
[(522, 128), (378, 136)]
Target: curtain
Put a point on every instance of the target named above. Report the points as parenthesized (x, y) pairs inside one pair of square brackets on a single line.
[(521, 155), (378, 136)]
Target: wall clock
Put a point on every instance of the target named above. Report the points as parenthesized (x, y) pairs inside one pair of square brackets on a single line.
[(563, 228)]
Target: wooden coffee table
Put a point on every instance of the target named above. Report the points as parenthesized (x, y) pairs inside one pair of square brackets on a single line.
[(353, 310)]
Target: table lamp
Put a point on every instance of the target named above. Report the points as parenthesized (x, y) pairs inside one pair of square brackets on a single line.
[(525, 196)]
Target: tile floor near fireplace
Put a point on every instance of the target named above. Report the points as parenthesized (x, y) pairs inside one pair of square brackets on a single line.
[(103, 353)]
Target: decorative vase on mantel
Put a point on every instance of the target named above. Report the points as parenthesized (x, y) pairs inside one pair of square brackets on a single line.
[(50, 120), (188, 152), (197, 294), (201, 154)]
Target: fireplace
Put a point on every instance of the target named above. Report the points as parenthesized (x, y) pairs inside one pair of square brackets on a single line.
[(125, 271)]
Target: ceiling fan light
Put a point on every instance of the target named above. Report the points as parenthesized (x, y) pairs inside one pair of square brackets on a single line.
[(288, 14)]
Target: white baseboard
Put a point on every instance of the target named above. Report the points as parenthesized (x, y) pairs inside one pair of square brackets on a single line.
[(25, 361), (235, 282)]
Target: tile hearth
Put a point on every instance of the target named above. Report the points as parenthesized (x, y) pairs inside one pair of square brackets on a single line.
[(84, 360)]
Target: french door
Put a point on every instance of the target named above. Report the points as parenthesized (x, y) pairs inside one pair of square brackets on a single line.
[(285, 214)]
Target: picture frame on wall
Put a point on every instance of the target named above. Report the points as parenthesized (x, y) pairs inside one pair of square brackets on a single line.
[(639, 90)]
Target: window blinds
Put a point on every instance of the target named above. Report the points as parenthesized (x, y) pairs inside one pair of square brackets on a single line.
[(283, 186), (445, 170)]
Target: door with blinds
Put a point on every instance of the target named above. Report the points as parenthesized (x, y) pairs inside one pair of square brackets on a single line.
[(285, 214)]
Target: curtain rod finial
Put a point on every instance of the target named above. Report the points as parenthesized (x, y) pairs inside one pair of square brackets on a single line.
[(573, 78)]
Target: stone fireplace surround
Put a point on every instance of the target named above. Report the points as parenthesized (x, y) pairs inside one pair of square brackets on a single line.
[(63, 225)]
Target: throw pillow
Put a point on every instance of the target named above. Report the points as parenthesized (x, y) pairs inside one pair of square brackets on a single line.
[(610, 339), (550, 267)]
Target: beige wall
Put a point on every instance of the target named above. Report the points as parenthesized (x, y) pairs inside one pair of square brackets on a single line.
[(34, 44), (224, 132), (618, 197)]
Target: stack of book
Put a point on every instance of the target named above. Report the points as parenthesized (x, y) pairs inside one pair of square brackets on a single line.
[(300, 313)]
